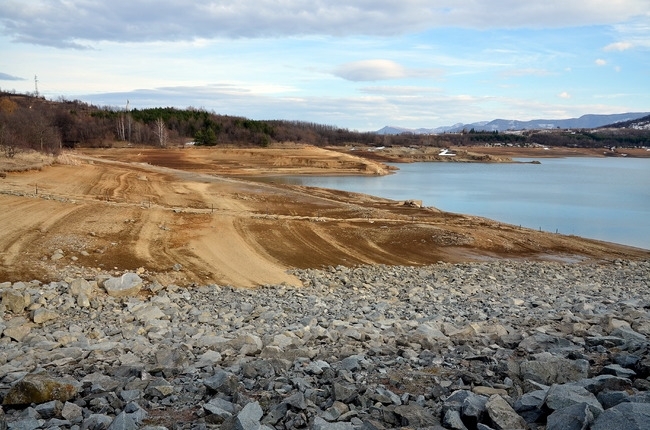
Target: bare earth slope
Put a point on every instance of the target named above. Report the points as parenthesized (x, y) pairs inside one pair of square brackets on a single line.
[(173, 214)]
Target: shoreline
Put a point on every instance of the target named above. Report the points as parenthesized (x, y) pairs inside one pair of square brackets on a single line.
[(175, 215)]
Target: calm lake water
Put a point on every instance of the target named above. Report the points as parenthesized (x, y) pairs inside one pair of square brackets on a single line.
[(599, 198)]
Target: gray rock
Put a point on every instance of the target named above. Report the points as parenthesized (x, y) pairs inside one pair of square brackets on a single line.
[(629, 335), (17, 331), (473, 408), (345, 393), (123, 421), (14, 301), (72, 412), (617, 370), (574, 417), (128, 284), (541, 342), (296, 401), (97, 422), (49, 409), (41, 315), (628, 416), (321, 424), (220, 414), (428, 336), (414, 416), (80, 286), (222, 382), (529, 406), (502, 415), (564, 395), (247, 419), (29, 423), (452, 419), (609, 399), (601, 383), (548, 369)]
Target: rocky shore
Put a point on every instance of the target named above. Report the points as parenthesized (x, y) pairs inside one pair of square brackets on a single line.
[(495, 345)]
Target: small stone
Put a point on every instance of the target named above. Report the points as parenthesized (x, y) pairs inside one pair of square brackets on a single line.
[(41, 315), (489, 391)]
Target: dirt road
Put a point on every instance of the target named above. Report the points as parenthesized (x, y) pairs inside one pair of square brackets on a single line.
[(173, 215)]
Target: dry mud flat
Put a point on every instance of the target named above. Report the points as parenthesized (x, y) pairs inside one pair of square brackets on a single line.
[(183, 216)]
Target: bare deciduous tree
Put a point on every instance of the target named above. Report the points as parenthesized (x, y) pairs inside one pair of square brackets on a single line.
[(160, 130)]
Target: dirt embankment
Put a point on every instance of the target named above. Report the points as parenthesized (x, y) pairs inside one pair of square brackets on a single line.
[(176, 215)]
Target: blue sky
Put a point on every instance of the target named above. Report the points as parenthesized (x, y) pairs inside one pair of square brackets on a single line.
[(359, 64)]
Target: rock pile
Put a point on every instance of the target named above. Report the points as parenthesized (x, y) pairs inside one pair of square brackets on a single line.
[(495, 345)]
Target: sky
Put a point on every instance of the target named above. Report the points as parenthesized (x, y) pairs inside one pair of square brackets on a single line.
[(356, 64)]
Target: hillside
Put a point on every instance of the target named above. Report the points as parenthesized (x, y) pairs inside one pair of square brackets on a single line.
[(503, 125), (642, 123), (28, 122)]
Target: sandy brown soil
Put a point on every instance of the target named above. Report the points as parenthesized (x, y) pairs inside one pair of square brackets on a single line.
[(125, 209)]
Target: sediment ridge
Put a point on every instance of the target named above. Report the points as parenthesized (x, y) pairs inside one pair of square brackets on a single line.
[(490, 345)]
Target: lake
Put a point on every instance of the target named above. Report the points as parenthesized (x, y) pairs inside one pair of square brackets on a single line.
[(599, 198)]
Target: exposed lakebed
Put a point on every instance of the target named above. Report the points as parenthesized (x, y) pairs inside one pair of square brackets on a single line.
[(599, 198)]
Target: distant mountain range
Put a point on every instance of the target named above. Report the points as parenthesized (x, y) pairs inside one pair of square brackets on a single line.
[(500, 125)]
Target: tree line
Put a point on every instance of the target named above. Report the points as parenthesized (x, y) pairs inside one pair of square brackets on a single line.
[(28, 121)]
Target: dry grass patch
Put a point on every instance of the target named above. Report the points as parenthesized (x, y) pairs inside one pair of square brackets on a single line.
[(25, 161)]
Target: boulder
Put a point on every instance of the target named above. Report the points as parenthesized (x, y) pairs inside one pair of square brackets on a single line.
[(628, 416), (574, 417), (548, 369), (80, 286), (502, 415), (564, 395), (529, 406), (14, 301), (39, 388), (128, 284), (428, 337), (414, 415), (41, 315), (248, 418)]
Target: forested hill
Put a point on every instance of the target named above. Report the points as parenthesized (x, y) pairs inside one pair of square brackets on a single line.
[(33, 122)]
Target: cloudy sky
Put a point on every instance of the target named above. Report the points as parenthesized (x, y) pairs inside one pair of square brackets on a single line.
[(359, 64)]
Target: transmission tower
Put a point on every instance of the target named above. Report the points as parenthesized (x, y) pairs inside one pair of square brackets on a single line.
[(36, 85)]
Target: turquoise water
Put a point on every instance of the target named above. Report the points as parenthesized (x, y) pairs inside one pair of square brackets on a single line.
[(599, 198)]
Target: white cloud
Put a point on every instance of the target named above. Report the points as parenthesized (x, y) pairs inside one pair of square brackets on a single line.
[(378, 70), (618, 46), (564, 95), (80, 23), (601, 62), (371, 70)]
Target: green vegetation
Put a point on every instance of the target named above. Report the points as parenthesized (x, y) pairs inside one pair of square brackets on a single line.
[(27, 121)]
